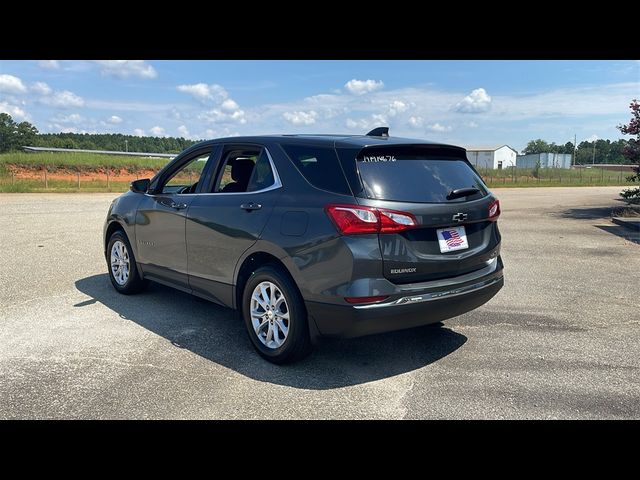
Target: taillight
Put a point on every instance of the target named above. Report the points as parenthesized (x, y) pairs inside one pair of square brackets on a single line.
[(494, 210), (354, 219)]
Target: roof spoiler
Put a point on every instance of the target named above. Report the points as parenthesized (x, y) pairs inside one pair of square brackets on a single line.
[(379, 132)]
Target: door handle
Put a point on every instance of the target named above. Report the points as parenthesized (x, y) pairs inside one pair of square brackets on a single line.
[(178, 206), (251, 206)]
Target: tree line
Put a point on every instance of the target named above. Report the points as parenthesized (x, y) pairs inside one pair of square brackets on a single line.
[(13, 136), (600, 151)]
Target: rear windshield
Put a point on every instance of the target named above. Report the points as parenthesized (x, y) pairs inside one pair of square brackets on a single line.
[(416, 178)]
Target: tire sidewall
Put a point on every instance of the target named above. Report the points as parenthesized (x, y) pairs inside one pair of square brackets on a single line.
[(133, 270), (297, 315)]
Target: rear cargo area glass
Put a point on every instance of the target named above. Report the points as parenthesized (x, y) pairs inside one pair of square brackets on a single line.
[(412, 178)]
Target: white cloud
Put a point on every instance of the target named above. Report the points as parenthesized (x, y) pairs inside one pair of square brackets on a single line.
[(63, 99), (396, 107), (373, 121), (41, 88), (472, 124), (11, 84), (114, 120), (73, 118), (157, 131), (139, 132), (436, 127), (416, 121), (15, 111), (216, 115), (477, 101), (49, 64), (183, 131), (204, 93), (301, 117), (127, 68), (229, 106), (225, 108), (592, 138), (360, 87)]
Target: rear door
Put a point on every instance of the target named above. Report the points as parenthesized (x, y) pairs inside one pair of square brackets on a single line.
[(222, 225), (454, 235)]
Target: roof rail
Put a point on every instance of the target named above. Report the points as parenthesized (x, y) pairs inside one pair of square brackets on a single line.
[(379, 132)]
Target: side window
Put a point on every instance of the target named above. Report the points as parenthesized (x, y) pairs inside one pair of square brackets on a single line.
[(320, 166), (262, 176), (186, 179), (244, 169)]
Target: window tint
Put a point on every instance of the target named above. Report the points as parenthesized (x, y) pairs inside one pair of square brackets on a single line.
[(186, 179), (319, 165), (237, 170), (262, 176), (416, 179)]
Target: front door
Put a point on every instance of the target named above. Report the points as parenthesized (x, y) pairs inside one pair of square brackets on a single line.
[(224, 223), (160, 222)]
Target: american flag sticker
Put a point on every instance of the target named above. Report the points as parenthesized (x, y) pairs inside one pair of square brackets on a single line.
[(451, 239)]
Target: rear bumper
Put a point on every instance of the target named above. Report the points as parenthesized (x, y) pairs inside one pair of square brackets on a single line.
[(407, 311)]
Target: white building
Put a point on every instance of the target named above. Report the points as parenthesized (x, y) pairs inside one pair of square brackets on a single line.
[(495, 157)]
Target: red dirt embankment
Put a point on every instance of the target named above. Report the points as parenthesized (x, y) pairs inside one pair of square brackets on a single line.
[(121, 175)]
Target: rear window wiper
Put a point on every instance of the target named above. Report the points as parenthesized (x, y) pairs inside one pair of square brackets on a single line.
[(462, 192)]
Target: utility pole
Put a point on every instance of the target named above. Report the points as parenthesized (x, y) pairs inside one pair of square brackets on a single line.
[(126, 145), (593, 159), (575, 150)]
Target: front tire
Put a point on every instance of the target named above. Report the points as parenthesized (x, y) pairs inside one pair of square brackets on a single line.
[(123, 270), (275, 316)]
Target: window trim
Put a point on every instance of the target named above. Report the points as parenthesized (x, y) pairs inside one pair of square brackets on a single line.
[(276, 177)]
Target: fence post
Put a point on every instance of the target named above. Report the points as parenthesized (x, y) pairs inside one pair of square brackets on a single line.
[(46, 180), (78, 174), (108, 184), (13, 178)]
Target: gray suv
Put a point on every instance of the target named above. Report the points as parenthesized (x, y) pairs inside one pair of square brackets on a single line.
[(313, 235)]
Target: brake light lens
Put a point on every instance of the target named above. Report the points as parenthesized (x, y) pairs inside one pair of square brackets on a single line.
[(494, 210), (356, 219)]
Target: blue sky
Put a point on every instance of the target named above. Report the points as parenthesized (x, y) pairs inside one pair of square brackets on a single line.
[(461, 102)]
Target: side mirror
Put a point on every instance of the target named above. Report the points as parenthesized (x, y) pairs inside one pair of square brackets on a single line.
[(140, 186)]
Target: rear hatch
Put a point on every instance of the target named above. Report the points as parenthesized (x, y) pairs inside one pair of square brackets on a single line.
[(453, 235)]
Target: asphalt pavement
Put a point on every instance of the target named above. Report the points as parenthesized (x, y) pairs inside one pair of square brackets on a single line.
[(560, 340)]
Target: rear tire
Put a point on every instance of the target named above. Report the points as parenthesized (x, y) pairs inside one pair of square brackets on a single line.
[(121, 263), (275, 316)]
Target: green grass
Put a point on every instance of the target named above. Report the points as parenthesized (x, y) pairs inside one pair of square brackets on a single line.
[(80, 161), (88, 162), (554, 177)]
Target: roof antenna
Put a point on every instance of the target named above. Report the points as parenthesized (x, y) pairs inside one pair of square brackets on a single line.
[(379, 132)]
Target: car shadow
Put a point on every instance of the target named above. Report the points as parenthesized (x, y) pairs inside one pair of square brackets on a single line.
[(217, 334), (586, 213), (622, 232)]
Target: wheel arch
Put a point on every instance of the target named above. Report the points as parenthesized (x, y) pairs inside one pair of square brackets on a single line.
[(265, 253), (113, 226), (262, 253)]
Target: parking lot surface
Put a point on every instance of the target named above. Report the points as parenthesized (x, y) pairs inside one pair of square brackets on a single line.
[(561, 340)]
